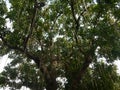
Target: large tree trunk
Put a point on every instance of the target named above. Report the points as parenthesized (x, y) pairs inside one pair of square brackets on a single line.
[(74, 83), (50, 78), (51, 83)]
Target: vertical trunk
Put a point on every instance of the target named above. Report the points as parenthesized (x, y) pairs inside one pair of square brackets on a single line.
[(74, 83), (50, 78), (51, 84)]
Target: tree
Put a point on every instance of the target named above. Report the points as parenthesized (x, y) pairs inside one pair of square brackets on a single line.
[(99, 76), (25, 74), (62, 37)]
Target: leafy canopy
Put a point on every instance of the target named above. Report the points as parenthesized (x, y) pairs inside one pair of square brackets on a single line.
[(63, 38)]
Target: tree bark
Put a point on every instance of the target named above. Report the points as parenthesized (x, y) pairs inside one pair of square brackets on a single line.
[(51, 83), (49, 77), (74, 83)]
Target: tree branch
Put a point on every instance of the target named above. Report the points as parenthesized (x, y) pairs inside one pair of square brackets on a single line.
[(31, 26), (28, 54), (76, 19), (73, 11)]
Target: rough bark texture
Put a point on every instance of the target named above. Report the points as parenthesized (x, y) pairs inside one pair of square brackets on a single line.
[(51, 84), (49, 77), (74, 83)]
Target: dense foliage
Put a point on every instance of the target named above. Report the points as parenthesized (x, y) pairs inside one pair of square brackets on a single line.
[(52, 39)]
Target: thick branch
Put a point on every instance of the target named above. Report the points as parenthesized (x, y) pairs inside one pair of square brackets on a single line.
[(73, 11), (28, 54), (88, 60), (31, 25), (75, 18)]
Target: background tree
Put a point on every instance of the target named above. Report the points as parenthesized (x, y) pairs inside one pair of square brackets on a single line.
[(63, 38)]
